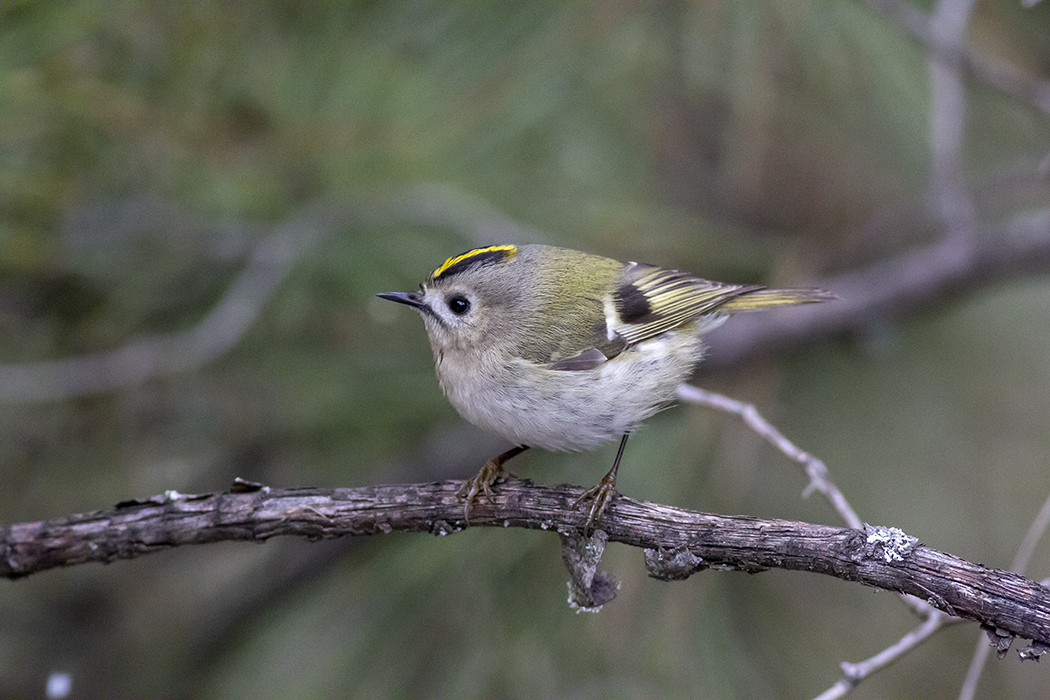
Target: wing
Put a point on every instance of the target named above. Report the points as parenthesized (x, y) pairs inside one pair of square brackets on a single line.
[(588, 359), (653, 300)]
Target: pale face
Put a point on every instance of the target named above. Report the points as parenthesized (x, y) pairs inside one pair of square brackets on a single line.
[(454, 315)]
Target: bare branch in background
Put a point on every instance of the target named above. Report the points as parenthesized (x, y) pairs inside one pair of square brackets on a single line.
[(950, 196), (955, 257), (1024, 554), (268, 264), (1000, 74), (886, 289), (892, 289), (436, 204), (172, 353)]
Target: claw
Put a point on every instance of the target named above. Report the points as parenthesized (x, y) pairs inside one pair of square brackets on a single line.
[(601, 494), (482, 481)]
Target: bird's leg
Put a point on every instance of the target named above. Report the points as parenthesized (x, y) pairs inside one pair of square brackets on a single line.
[(483, 480), (603, 492)]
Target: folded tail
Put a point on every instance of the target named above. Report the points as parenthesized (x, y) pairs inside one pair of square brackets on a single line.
[(762, 298)]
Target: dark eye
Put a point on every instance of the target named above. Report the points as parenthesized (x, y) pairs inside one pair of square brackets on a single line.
[(458, 305)]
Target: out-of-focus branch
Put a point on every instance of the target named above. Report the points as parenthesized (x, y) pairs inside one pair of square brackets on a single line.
[(167, 354), (892, 289), (1024, 554), (951, 199), (886, 289), (1000, 74), (678, 542), (438, 204), (268, 264), (953, 204)]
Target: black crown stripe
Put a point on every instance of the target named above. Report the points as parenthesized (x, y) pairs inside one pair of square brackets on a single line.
[(477, 256)]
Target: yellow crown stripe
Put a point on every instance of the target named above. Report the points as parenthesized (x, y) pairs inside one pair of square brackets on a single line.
[(510, 251)]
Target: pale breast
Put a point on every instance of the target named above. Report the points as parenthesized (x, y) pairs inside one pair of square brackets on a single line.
[(570, 410)]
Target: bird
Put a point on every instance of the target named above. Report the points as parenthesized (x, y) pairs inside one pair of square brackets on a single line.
[(563, 350)]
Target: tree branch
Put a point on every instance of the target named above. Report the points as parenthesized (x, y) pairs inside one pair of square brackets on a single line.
[(815, 469), (894, 288), (1024, 554), (1001, 75), (166, 354), (891, 288), (852, 674), (678, 542)]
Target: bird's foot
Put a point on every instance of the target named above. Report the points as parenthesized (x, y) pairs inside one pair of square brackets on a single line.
[(481, 483), (600, 496)]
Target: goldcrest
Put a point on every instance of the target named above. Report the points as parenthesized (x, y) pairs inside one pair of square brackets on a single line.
[(553, 348)]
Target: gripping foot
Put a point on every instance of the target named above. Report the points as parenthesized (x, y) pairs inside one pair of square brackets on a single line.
[(488, 475)]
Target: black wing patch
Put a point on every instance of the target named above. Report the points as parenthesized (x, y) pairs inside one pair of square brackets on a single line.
[(653, 300)]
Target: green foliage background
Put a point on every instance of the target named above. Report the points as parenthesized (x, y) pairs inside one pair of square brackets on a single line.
[(146, 147)]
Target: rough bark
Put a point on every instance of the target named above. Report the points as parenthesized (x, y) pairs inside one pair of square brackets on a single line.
[(677, 542)]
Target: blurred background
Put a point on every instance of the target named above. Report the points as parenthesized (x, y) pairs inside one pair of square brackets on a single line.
[(198, 203)]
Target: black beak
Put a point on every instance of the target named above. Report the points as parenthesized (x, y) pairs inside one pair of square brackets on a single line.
[(410, 298)]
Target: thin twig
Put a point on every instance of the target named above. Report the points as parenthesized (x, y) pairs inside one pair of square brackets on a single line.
[(816, 470), (852, 674), (955, 208), (1024, 554)]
